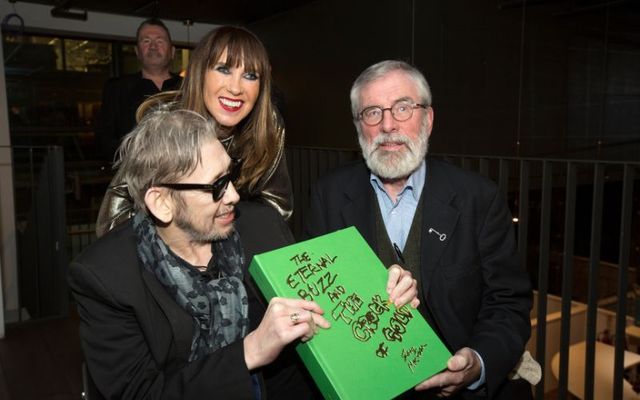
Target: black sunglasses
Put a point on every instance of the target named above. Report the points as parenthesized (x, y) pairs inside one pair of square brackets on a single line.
[(217, 188)]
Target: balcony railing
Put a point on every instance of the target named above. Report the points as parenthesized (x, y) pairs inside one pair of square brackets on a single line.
[(578, 229), (40, 216)]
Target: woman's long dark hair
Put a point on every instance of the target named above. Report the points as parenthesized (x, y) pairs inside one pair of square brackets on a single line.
[(256, 136)]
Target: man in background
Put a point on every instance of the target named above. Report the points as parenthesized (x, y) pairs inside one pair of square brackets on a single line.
[(122, 95)]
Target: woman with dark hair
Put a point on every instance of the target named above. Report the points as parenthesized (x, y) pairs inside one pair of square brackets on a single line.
[(229, 80)]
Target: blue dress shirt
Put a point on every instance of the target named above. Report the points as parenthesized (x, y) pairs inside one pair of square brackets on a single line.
[(398, 216)]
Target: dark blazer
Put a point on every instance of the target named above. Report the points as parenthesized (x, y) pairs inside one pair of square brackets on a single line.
[(135, 337), (121, 97), (476, 291)]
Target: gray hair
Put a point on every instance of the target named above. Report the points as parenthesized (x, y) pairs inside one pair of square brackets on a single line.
[(377, 71), (163, 147)]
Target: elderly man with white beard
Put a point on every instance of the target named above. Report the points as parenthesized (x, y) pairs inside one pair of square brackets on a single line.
[(450, 227)]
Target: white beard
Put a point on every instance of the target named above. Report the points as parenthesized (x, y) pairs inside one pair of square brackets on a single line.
[(395, 164)]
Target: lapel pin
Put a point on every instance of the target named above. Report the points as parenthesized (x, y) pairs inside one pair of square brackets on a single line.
[(441, 236)]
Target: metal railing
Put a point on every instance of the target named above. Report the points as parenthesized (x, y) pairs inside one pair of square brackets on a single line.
[(578, 229), (40, 215), (562, 209)]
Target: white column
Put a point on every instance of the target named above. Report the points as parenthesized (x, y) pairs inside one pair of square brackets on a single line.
[(1, 304)]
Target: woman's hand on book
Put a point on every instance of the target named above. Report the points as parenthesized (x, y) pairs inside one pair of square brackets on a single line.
[(284, 321), (401, 287)]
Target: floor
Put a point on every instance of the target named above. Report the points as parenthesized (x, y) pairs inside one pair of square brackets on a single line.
[(41, 360), (553, 395)]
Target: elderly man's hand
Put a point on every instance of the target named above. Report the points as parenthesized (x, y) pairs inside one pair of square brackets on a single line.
[(463, 369), (401, 287), (284, 321)]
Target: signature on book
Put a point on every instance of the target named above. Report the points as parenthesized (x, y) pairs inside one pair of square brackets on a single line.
[(413, 355)]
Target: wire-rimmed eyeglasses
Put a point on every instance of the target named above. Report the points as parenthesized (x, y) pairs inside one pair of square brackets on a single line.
[(400, 111), (217, 188)]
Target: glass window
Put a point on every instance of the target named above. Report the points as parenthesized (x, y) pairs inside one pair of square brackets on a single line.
[(54, 93), (129, 59), (87, 56), (24, 53), (54, 86)]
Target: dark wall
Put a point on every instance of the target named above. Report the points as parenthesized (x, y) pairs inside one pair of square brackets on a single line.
[(317, 52), (563, 84)]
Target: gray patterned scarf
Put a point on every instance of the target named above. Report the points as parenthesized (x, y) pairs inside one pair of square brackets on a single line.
[(218, 304)]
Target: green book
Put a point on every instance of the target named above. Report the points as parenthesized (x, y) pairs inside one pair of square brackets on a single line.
[(373, 350)]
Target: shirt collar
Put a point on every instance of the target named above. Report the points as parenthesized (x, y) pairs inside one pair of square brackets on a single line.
[(415, 182)]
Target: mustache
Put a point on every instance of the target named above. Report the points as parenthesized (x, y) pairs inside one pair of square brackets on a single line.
[(396, 138), (225, 211)]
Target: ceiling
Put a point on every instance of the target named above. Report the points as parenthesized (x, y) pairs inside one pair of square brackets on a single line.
[(204, 11), (246, 12)]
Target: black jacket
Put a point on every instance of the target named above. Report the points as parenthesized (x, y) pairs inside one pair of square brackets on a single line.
[(477, 292), (120, 99), (136, 338)]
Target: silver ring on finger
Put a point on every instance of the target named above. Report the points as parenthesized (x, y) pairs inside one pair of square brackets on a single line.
[(294, 317)]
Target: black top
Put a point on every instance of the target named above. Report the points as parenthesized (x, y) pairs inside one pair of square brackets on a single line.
[(477, 292), (136, 339), (120, 100)]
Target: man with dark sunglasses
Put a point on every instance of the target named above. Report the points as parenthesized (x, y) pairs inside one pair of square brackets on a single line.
[(217, 188), (163, 299)]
